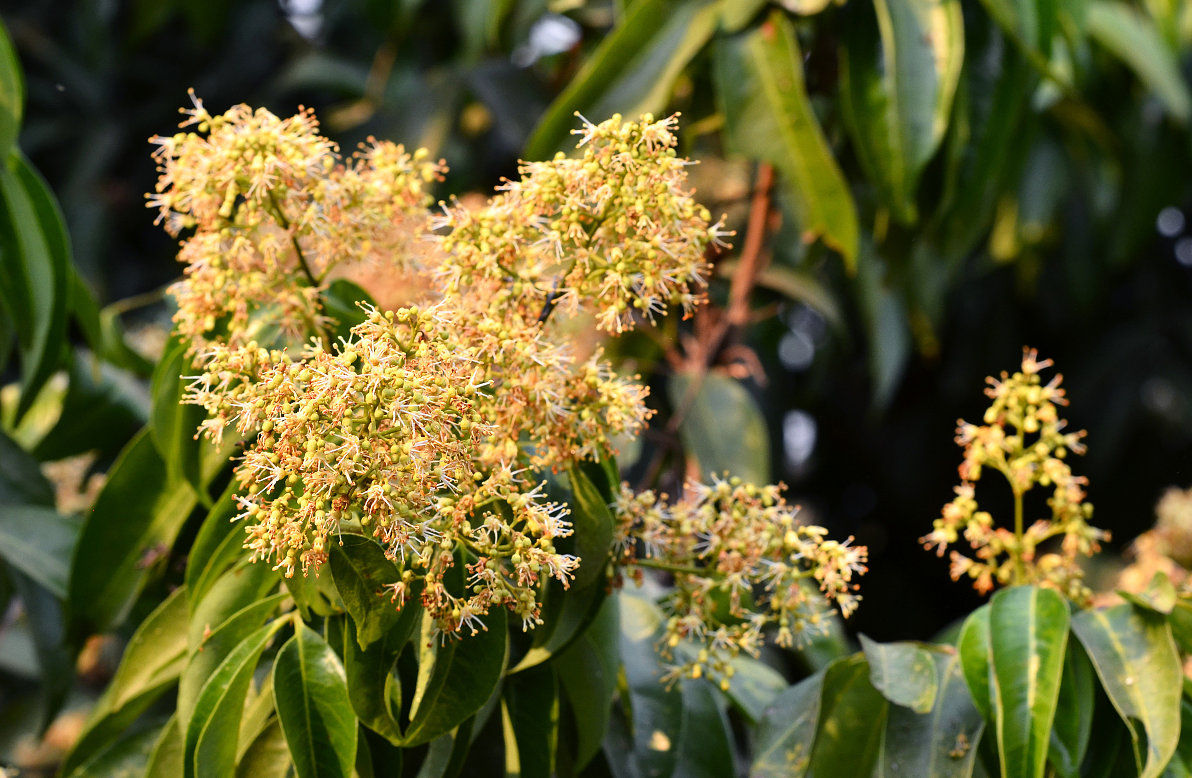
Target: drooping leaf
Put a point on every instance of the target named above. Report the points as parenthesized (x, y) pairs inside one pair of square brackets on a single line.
[(1134, 39), (268, 756), (898, 75), (786, 734), (134, 521), (209, 743), (657, 713), (973, 646), (886, 323), (593, 528), (722, 403), (1073, 714), (1028, 635), (1136, 660), (12, 94), (631, 72), (361, 570), (39, 542), (310, 688), (103, 409), (759, 79), (706, 749), (219, 544), (244, 585), (587, 674), (528, 705), (259, 712), (151, 664), (175, 424), (165, 760), (905, 673), (941, 743)]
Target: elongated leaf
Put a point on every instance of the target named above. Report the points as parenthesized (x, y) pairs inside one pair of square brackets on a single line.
[(1028, 634), (209, 745), (21, 480), (587, 674), (1136, 660), (975, 662), (593, 523), (941, 743), (268, 756), (577, 609), (55, 657), (657, 713), (151, 664), (175, 424), (905, 673), (33, 275), (258, 714), (1032, 23), (361, 570), (39, 542), (723, 403), (886, 323), (316, 716), (851, 721), (706, 747), (753, 687), (1073, 714), (898, 75), (759, 79), (12, 95), (219, 544), (528, 702), (238, 588), (631, 72), (103, 409), (125, 758), (135, 519), (165, 761), (372, 688), (1134, 39), (786, 734)]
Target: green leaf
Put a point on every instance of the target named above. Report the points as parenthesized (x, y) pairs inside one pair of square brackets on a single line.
[(219, 544), (905, 673), (1134, 39), (577, 610), (592, 523), (632, 71), (759, 81), (528, 704), (209, 745), (55, 658), (361, 570), (165, 761), (1159, 596), (268, 756), (886, 323), (310, 688), (242, 586), (1073, 714), (103, 409), (128, 757), (722, 403), (737, 14), (12, 95), (113, 347), (786, 734), (1031, 24), (314, 592), (39, 542), (1136, 660), (657, 713), (941, 743), (34, 278), (258, 714), (1180, 619), (1028, 634), (975, 662), (373, 689), (151, 664), (706, 749), (204, 659), (21, 480), (587, 673), (175, 423), (753, 687), (339, 302), (135, 519), (898, 75), (460, 681), (851, 721)]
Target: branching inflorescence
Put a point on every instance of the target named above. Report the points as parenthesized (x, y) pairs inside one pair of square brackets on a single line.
[(1023, 439), (431, 425)]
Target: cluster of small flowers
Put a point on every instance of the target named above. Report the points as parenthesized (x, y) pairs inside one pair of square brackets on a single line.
[(614, 231), (741, 561), (1022, 406), (274, 210)]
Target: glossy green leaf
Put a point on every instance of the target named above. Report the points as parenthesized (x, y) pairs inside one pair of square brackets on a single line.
[(12, 94), (175, 424), (152, 662), (219, 544), (898, 75), (759, 80), (587, 673), (314, 592), (1028, 634), (127, 757), (134, 520), (722, 403), (361, 571), (34, 277), (631, 72), (103, 409), (753, 687), (786, 734), (706, 749), (1134, 39), (1136, 660), (905, 673), (1073, 714), (974, 649), (205, 658), (851, 722), (577, 610), (242, 586), (268, 756), (84, 310), (21, 480), (941, 743), (657, 713), (310, 689), (165, 760), (592, 523), (209, 743), (528, 705), (460, 681), (39, 542)]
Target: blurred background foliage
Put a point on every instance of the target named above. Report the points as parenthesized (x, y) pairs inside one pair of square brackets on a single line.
[(954, 180)]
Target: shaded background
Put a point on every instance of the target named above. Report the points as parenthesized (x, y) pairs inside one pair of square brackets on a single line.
[(1111, 304)]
